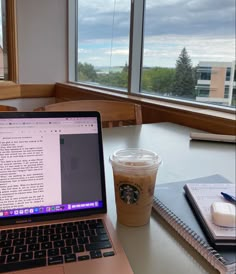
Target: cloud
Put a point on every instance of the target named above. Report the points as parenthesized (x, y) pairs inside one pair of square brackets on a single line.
[(162, 17), (213, 5), (192, 18), (118, 52), (164, 50), (101, 6), (205, 27)]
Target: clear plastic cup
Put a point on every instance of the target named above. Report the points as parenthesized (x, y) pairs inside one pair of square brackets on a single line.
[(134, 172)]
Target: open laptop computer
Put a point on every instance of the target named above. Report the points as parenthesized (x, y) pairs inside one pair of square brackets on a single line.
[(53, 198)]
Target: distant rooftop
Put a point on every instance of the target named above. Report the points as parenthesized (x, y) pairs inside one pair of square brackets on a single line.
[(216, 64)]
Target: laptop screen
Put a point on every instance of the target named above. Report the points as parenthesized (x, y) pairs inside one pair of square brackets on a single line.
[(51, 163)]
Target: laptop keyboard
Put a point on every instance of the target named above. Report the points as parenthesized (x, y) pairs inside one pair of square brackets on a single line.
[(60, 243)]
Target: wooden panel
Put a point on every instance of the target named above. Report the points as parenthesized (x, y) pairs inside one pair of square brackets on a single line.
[(154, 111), (12, 40), (200, 121), (113, 113), (7, 108), (9, 90), (37, 90), (65, 92)]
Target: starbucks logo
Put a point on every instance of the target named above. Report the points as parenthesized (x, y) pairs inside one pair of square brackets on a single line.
[(129, 193)]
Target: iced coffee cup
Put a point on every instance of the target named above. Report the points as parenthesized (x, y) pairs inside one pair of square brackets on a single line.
[(134, 172)]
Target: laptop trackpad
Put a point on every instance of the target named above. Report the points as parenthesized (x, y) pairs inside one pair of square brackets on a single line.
[(43, 270)]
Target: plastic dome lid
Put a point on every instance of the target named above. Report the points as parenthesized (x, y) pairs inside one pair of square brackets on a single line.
[(135, 158)]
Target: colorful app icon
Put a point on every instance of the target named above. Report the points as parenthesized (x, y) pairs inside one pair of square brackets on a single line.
[(36, 210)]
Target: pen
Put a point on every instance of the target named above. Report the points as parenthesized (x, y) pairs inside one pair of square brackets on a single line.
[(228, 197)]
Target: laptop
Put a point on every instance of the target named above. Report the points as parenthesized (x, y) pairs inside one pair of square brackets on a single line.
[(53, 210)]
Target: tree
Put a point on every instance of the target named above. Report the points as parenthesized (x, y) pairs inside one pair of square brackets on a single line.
[(86, 72), (125, 68), (158, 80), (114, 79), (184, 84)]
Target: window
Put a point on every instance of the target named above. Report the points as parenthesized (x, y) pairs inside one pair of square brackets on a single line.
[(188, 39), (228, 71), (103, 42), (8, 47), (166, 49), (203, 91), (204, 73), (234, 96), (226, 93), (3, 44)]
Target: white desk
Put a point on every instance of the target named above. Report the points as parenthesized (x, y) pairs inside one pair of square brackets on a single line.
[(156, 248)]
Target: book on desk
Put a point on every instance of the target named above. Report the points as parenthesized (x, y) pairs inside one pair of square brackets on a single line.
[(171, 203)]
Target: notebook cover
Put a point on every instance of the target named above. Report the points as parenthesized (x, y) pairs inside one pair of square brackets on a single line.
[(172, 196), (223, 236)]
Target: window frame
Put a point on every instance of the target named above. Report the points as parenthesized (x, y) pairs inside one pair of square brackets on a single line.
[(11, 40), (135, 61)]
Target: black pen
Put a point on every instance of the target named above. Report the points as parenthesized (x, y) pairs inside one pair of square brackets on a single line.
[(229, 197)]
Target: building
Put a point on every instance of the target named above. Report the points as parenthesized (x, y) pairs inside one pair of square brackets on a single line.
[(216, 83)]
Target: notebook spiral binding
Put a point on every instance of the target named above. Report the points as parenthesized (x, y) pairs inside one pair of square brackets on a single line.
[(209, 253)]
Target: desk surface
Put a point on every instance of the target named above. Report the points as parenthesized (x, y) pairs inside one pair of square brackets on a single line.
[(155, 248)]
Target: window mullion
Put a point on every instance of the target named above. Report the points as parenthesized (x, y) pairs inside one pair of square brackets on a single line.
[(72, 40), (136, 45), (11, 41)]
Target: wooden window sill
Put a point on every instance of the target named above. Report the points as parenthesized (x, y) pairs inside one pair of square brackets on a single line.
[(158, 110)]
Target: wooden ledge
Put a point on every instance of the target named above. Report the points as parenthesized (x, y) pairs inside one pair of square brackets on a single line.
[(157, 110), (11, 90), (142, 99)]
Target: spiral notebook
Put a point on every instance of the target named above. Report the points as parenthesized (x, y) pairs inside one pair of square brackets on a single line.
[(200, 197), (170, 202)]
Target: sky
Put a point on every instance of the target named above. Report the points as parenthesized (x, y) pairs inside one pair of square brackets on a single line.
[(206, 28)]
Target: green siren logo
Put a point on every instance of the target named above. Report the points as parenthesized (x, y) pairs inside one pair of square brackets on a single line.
[(129, 193)]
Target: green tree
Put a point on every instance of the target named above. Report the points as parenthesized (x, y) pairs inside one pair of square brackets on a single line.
[(184, 84), (86, 72), (195, 77), (158, 80), (114, 79), (125, 68)]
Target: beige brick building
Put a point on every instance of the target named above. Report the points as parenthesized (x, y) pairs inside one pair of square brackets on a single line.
[(216, 83)]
